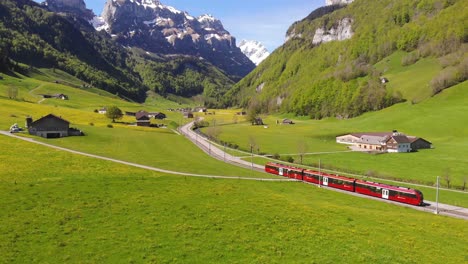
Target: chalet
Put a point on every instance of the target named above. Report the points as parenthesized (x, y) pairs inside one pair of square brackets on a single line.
[(287, 122), (143, 119), (398, 143), (51, 126), (188, 115), (393, 142), (102, 111)]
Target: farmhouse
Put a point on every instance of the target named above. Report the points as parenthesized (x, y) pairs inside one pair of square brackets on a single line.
[(51, 126), (391, 142), (102, 111), (142, 118)]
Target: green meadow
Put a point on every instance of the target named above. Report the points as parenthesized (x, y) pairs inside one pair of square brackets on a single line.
[(55, 209)]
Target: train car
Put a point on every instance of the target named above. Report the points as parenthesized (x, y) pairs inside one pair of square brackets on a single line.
[(312, 176), (389, 192), (330, 180), (284, 170)]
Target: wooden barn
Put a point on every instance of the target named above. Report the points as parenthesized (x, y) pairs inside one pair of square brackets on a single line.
[(49, 126)]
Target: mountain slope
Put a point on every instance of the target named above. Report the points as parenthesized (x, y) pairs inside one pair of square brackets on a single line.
[(33, 37), (154, 27), (327, 66), (254, 50)]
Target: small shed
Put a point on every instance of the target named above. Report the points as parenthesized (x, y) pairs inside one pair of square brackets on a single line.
[(419, 143), (188, 115), (61, 96), (287, 122)]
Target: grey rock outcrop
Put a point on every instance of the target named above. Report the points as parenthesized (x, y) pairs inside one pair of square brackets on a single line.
[(341, 31), (154, 27), (77, 7), (338, 2)]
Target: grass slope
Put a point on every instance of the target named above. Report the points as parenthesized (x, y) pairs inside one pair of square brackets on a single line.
[(105, 212), (440, 119)]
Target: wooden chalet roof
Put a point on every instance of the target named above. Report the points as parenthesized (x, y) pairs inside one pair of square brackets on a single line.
[(49, 116), (140, 114)]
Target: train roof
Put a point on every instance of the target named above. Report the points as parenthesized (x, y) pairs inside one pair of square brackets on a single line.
[(279, 165), (386, 186), (330, 175)]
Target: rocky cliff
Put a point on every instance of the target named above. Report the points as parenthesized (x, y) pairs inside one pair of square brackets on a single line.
[(338, 2), (77, 7), (152, 26), (341, 31)]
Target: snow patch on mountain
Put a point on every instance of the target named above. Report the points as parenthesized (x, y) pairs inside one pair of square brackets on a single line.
[(338, 2), (254, 50)]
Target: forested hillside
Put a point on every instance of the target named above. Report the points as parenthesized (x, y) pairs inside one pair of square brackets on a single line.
[(307, 76), (33, 37)]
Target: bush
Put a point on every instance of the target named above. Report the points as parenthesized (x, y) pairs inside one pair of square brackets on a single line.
[(91, 124), (276, 156), (410, 59), (110, 126)]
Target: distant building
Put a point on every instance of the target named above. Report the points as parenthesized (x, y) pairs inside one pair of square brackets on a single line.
[(143, 119), (51, 126), (287, 122), (102, 111), (188, 115), (391, 142)]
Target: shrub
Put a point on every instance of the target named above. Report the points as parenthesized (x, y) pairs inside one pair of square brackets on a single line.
[(410, 59), (91, 124), (110, 126)]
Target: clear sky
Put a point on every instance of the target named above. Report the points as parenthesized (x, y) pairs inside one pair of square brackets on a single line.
[(264, 20)]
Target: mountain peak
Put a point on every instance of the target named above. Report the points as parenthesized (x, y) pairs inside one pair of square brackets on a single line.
[(254, 50)]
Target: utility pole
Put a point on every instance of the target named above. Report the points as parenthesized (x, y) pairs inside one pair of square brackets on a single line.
[(437, 197), (320, 172), (251, 156)]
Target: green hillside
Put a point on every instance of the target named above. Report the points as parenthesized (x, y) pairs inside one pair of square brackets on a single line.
[(423, 42), (34, 38)]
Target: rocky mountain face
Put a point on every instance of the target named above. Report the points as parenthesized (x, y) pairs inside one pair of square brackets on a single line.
[(77, 7), (254, 50), (341, 31), (154, 27)]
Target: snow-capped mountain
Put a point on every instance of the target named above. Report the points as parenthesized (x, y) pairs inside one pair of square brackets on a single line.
[(254, 50), (154, 27)]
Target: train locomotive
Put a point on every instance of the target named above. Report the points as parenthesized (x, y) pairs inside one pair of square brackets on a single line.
[(379, 190)]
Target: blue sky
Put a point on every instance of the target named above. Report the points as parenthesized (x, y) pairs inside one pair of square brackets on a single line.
[(264, 20)]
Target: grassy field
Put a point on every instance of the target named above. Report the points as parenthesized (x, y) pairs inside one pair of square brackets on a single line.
[(440, 119), (56, 210)]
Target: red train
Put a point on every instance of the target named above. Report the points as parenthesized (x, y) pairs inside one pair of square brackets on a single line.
[(384, 191)]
